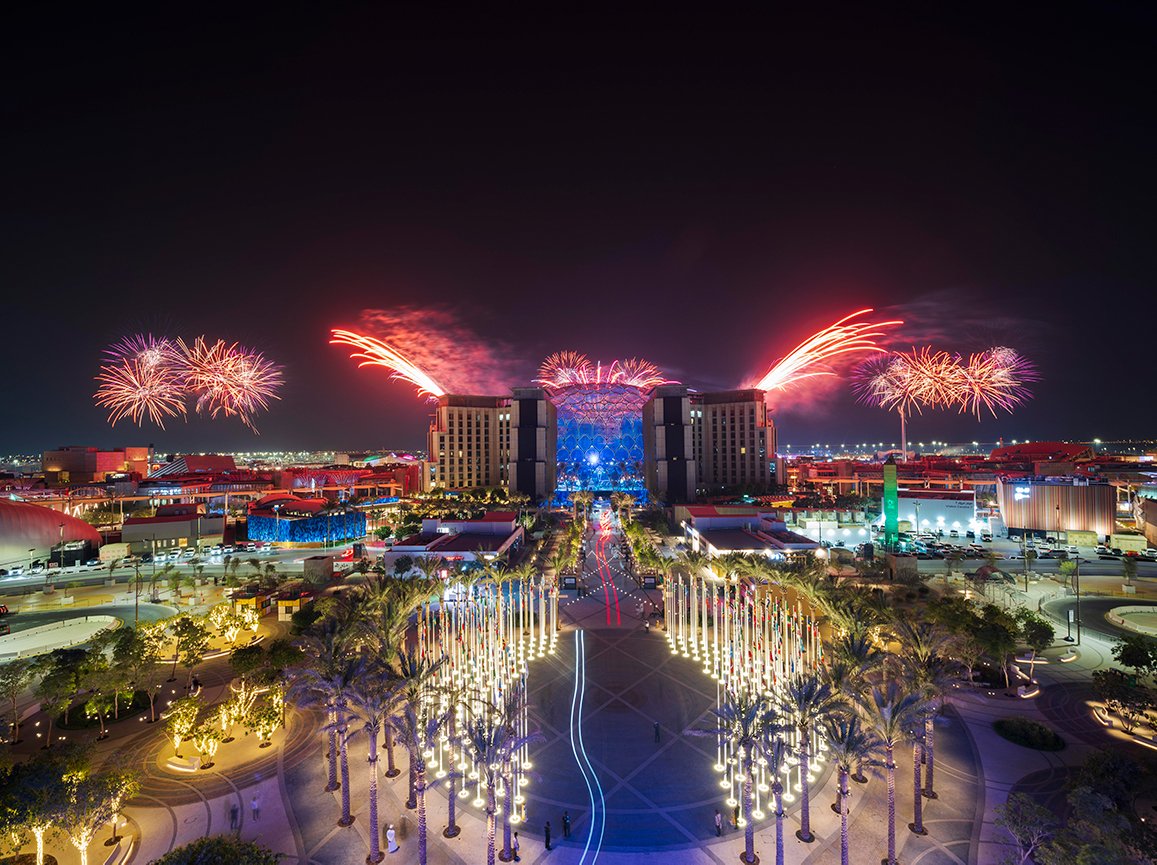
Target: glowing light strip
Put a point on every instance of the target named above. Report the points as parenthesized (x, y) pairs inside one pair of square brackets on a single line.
[(579, 676), (581, 659)]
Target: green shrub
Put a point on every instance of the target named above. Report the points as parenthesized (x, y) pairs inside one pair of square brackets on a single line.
[(1029, 733)]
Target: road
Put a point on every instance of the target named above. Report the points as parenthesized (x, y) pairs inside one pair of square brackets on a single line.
[(287, 561)]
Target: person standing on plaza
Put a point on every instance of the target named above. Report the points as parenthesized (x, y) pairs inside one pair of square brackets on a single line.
[(234, 816), (566, 824), (656, 732), (255, 805), (718, 823), (546, 832), (391, 840), (514, 848)]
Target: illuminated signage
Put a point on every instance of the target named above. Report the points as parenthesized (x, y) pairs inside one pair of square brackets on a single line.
[(1019, 493)]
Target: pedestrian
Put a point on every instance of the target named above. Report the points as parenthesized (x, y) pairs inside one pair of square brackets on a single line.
[(234, 816), (718, 823), (735, 816), (391, 839), (656, 732), (546, 832), (566, 824), (514, 848), (255, 805)]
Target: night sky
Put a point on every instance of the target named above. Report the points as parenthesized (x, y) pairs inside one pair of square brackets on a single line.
[(700, 192)]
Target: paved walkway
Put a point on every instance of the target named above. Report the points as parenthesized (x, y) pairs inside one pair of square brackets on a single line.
[(659, 797)]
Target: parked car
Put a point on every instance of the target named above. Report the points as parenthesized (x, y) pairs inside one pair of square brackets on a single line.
[(987, 538)]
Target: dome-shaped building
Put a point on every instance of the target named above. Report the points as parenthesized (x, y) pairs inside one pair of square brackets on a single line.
[(25, 527)]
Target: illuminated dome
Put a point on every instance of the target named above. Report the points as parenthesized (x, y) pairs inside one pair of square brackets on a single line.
[(24, 526), (600, 420)]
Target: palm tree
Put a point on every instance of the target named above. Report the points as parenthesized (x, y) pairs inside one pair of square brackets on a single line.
[(414, 673), (806, 700), (693, 562), (750, 723), (510, 714), (929, 672), (455, 696), (626, 502), (582, 500), (890, 711), (776, 753), (915, 734), (430, 566), (418, 732), (851, 746), (319, 682), (371, 700), (485, 737)]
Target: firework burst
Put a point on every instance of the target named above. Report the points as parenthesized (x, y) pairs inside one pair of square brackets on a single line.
[(374, 352), (151, 377), (146, 349), (565, 369), (135, 389), (994, 379), (814, 356), (229, 379), (907, 382)]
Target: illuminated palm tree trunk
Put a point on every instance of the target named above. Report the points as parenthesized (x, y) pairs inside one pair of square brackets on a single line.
[(376, 854), (890, 771), (343, 741), (917, 825), (843, 786), (422, 813), (749, 823), (929, 733), (331, 755)]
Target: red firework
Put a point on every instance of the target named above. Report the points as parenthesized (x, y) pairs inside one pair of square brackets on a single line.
[(565, 369), (374, 352), (814, 356)]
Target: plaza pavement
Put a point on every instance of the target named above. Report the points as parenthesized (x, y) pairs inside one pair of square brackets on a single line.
[(660, 799)]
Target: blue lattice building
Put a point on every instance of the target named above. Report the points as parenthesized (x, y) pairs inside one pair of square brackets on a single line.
[(289, 519)]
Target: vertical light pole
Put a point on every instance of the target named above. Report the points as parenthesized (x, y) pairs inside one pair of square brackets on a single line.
[(1077, 591)]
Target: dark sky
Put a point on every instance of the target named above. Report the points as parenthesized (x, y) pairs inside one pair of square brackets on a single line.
[(702, 192)]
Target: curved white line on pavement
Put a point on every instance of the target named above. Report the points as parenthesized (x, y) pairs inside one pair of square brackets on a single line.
[(576, 722), (597, 816)]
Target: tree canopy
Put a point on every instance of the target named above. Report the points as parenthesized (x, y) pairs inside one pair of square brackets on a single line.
[(218, 849)]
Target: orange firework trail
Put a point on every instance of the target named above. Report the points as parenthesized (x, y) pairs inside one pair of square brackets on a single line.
[(374, 352), (811, 357)]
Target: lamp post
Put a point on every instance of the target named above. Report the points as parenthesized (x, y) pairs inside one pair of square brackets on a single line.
[(1077, 592)]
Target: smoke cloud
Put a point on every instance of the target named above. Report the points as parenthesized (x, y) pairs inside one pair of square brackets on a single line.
[(452, 352)]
